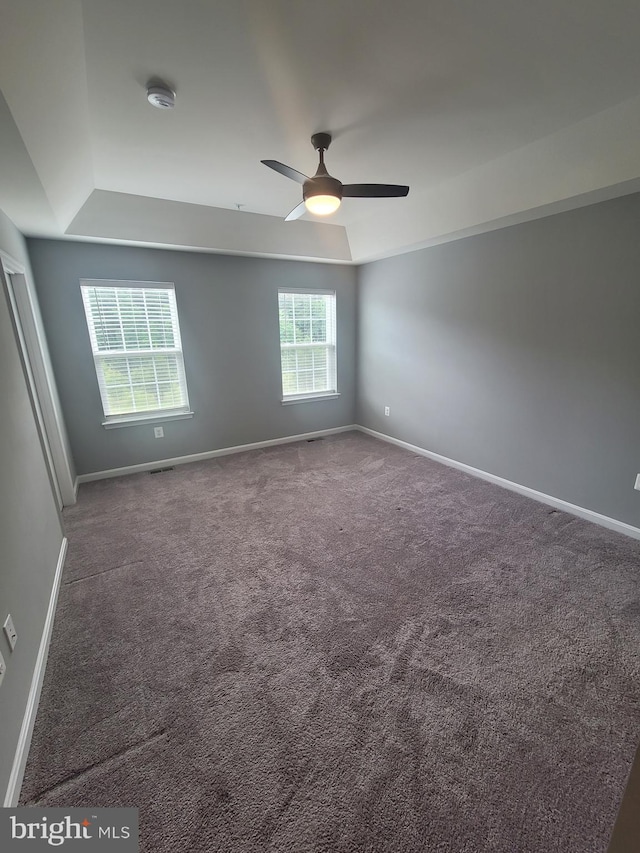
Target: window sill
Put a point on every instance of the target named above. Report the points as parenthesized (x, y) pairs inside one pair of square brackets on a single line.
[(139, 420), (309, 398)]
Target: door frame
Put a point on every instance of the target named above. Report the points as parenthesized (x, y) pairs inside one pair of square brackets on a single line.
[(22, 302)]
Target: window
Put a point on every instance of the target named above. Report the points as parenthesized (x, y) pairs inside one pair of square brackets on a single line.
[(135, 338), (307, 344)]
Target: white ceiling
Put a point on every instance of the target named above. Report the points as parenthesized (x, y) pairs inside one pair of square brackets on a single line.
[(492, 112)]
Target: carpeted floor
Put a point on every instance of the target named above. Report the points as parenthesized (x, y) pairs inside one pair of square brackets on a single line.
[(339, 646)]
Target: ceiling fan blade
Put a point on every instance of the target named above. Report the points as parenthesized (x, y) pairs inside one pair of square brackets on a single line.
[(287, 171), (296, 213), (373, 190)]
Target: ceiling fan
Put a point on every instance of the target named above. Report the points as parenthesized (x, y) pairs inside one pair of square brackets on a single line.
[(322, 193)]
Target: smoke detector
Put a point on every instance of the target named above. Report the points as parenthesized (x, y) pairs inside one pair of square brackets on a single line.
[(161, 97)]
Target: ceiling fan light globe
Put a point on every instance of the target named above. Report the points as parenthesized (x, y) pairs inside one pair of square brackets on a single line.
[(322, 205)]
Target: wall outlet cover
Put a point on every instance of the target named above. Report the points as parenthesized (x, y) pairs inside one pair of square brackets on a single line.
[(637, 485), (387, 411), (3, 667), (158, 432)]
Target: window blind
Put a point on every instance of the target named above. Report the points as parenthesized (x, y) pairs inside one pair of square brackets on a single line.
[(307, 343), (135, 338)]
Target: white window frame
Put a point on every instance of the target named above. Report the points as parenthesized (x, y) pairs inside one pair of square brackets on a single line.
[(101, 356), (307, 397)]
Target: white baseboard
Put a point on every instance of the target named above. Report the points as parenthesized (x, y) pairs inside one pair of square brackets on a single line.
[(557, 503), (209, 454), (28, 721)]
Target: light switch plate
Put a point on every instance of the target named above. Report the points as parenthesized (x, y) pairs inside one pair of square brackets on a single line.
[(10, 631), (3, 667), (637, 485)]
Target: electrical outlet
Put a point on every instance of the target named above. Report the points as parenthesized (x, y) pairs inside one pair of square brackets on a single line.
[(637, 485), (10, 631), (387, 411), (158, 432), (3, 667)]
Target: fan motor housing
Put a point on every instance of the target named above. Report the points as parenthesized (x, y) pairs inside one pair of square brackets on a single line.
[(322, 185)]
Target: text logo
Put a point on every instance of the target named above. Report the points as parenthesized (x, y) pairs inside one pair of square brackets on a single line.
[(33, 829)]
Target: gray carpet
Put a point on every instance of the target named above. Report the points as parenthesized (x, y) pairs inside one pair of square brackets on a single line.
[(340, 646)]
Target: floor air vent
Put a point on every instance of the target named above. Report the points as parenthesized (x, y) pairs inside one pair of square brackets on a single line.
[(160, 470)]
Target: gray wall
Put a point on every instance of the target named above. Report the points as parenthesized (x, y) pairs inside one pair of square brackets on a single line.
[(516, 352), (228, 312), (30, 531)]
